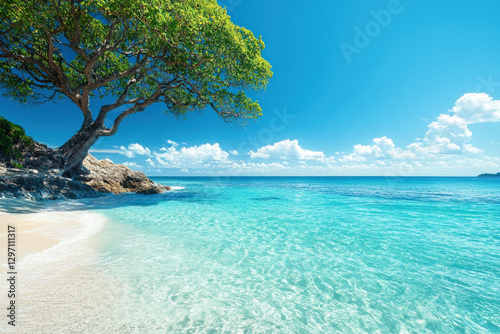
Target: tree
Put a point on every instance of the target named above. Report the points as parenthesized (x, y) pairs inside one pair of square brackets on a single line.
[(184, 54)]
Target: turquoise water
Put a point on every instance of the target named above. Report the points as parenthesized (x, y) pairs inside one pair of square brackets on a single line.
[(306, 255)]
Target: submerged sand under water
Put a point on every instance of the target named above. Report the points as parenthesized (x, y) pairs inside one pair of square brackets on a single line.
[(265, 255)]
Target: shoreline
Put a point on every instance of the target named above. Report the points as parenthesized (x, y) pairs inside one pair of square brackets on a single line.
[(28, 238), (56, 257), (39, 227)]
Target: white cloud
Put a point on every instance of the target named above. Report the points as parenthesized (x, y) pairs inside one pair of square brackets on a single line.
[(134, 149), (383, 148), (206, 155), (202, 153), (477, 108), (132, 165), (123, 150), (173, 143), (448, 134), (139, 149), (446, 144), (286, 149), (445, 149)]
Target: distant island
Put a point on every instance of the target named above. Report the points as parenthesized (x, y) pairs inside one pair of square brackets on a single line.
[(489, 175)]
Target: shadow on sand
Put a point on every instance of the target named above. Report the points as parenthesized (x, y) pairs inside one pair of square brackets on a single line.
[(20, 206)]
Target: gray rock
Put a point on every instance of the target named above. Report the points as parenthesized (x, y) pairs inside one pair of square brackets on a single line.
[(39, 187), (100, 177), (42, 180), (36, 156), (41, 175)]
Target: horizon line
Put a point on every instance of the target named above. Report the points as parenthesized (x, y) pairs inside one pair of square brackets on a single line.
[(392, 176)]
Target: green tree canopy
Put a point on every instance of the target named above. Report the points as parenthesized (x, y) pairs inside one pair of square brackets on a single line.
[(185, 54)]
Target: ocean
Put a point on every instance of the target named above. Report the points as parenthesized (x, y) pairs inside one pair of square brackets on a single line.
[(292, 255)]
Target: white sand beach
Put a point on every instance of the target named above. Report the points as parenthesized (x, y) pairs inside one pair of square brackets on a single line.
[(58, 289)]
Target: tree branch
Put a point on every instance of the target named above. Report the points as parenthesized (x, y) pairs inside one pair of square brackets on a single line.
[(138, 107), (116, 76), (120, 102)]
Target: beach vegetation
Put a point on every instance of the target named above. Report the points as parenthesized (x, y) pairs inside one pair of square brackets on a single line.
[(11, 137)]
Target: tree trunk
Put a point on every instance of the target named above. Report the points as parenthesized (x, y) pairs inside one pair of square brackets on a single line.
[(77, 147)]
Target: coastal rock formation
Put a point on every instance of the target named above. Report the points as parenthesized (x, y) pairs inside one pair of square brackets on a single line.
[(100, 177), (34, 185), (38, 156), (17, 150), (31, 170), (107, 177)]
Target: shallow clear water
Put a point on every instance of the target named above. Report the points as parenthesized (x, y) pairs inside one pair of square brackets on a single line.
[(305, 255)]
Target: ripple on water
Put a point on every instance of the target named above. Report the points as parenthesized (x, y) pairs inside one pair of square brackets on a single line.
[(306, 256)]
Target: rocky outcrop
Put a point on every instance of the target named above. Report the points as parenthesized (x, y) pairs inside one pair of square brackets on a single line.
[(107, 177), (34, 185), (100, 177), (38, 156), (17, 150), (30, 170)]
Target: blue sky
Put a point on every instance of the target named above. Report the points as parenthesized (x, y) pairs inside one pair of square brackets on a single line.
[(359, 88)]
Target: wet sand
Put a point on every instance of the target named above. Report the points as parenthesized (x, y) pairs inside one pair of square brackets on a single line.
[(58, 286)]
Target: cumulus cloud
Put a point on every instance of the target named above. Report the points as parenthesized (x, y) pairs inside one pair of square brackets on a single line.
[(206, 155), (203, 154), (382, 148), (448, 134), (139, 149), (134, 149), (123, 150), (477, 108), (446, 144), (286, 149)]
